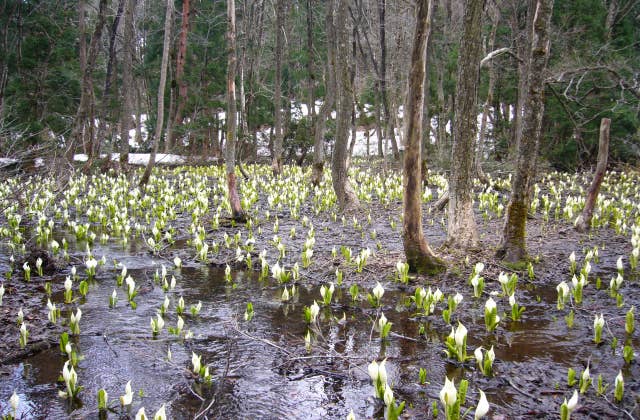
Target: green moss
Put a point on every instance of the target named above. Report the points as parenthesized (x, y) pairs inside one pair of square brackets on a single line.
[(517, 266)]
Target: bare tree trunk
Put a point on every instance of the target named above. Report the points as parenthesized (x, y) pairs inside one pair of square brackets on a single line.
[(495, 18), (181, 61), (388, 112), (327, 104), (244, 126), (276, 164), (127, 81), (368, 136), (584, 221), (108, 85), (513, 244), (442, 118), (83, 123), (523, 45), (461, 230), (230, 149), (379, 130), (311, 75), (419, 255), (347, 199), (82, 31), (161, 87), (169, 132), (139, 112), (354, 97)]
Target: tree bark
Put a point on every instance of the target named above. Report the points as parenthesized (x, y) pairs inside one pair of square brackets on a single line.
[(169, 132), (419, 254), (276, 164), (244, 126), (327, 104), (181, 61), (441, 140), (83, 124), (230, 148), (513, 244), (310, 73), (523, 45), (9, 13), (584, 221), (161, 88), (347, 199), (127, 81), (487, 104), (388, 112), (107, 96), (461, 230)]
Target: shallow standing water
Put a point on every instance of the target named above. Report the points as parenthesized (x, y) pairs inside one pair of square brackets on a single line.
[(262, 368)]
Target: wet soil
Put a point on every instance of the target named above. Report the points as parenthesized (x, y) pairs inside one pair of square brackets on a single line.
[(263, 369)]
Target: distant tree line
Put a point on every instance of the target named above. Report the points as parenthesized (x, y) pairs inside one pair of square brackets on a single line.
[(77, 75)]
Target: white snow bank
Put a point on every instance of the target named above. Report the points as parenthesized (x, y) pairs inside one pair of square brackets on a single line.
[(140, 159), (7, 161)]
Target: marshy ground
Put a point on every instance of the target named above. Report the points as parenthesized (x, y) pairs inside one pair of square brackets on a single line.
[(264, 367)]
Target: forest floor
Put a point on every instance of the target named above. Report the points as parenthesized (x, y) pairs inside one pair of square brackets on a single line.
[(533, 354)]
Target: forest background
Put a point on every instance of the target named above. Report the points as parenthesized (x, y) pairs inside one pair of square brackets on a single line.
[(65, 85)]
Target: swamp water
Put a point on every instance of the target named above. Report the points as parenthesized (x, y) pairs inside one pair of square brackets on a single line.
[(261, 368)]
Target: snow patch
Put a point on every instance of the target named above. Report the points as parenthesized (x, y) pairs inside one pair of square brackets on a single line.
[(139, 159)]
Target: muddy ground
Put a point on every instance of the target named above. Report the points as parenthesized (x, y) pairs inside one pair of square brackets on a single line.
[(532, 355)]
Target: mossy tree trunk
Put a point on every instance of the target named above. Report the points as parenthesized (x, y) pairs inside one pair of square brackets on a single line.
[(419, 254), (461, 230), (512, 247)]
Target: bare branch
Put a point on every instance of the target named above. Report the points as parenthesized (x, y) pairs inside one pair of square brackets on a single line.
[(495, 53)]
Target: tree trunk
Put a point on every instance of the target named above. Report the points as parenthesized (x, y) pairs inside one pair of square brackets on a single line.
[(161, 88), (181, 60), (379, 129), (461, 230), (419, 255), (244, 126), (106, 106), (127, 81), (347, 199), (310, 73), (487, 105), (169, 132), (9, 13), (230, 149), (354, 97), (513, 244), (276, 164), (327, 104), (388, 112), (83, 124), (442, 119), (584, 221), (82, 31), (523, 45)]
